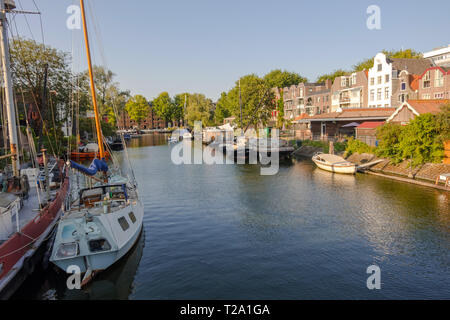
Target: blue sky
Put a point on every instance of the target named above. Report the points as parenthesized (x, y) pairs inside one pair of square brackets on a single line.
[(206, 45)]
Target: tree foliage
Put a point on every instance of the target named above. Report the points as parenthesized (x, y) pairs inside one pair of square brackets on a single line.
[(405, 54), (280, 79), (332, 76), (257, 101), (280, 109), (137, 108), (421, 141), (29, 59), (163, 106), (199, 108)]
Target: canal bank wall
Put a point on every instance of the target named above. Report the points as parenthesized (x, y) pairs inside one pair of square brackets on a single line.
[(424, 175)]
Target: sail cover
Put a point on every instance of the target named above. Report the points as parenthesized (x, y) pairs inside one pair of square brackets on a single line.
[(96, 166)]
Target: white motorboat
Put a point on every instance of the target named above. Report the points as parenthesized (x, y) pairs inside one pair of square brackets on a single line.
[(333, 163)]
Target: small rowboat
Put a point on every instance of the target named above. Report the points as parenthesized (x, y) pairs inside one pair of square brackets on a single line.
[(333, 163)]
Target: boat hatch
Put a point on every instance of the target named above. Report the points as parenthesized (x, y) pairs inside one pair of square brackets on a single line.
[(99, 245), (68, 250), (91, 229), (68, 232)]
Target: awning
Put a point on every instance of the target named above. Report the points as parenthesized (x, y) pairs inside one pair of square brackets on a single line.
[(353, 124)]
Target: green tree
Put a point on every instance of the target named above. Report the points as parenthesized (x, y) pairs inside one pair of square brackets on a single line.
[(280, 79), (389, 136), (179, 107), (280, 109), (164, 106), (419, 141), (199, 109), (222, 110), (29, 60), (405, 54), (332, 76), (137, 108), (258, 101)]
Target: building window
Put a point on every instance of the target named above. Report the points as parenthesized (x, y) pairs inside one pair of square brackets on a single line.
[(372, 95), (380, 67), (372, 81), (439, 95), (380, 79), (301, 93), (403, 86), (379, 94), (354, 79), (387, 78), (426, 96), (438, 78), (386, 93), (427, 80), (123, 223)]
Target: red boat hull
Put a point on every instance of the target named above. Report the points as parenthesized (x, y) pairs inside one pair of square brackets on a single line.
[(16, 254)]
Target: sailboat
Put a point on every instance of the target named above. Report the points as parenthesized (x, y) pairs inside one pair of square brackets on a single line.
[(106, 220), (27, 216)]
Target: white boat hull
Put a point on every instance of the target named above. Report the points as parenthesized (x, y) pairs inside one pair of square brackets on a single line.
[(345, 169), (122, 241)]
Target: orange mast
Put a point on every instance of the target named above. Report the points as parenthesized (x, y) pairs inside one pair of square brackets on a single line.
[(91, 76)]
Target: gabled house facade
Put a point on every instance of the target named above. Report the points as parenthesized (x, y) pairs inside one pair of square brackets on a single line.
[(384, 78), (434, 84), (413, 108)]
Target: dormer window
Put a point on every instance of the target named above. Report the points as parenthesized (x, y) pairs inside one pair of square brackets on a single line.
[(380, 67), (427, 80)]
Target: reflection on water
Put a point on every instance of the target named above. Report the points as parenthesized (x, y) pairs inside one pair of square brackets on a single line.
[(226, 232)]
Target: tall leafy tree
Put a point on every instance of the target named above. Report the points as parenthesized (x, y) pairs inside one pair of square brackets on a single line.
[(178, 113), (280, 79), (163, 106), (137, 108), (257, 101), (199, 109), (222, 110), (29, 60), (280, 109)]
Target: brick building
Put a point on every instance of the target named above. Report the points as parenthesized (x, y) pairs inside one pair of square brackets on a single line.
[(434, 84), (350, 91), (310, 98), (152, 121)]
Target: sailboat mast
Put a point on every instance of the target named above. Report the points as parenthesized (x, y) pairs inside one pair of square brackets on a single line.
[(10, 110), (91, 76)]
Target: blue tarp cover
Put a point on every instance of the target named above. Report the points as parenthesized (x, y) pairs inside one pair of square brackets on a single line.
[(96, 166)]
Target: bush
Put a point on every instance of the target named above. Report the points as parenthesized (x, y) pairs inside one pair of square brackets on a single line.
[(389, 136), (420, 141), (356, 146)]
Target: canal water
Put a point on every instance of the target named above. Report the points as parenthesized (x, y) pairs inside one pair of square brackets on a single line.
[(226, 232)]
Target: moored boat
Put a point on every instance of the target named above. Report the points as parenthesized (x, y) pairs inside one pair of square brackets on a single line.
[(30, 202), (334, 163), (106, 220)]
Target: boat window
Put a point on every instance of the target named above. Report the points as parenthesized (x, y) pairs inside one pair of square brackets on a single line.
[(123, 223), (67, 250), (132, 217), (99, 245)]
